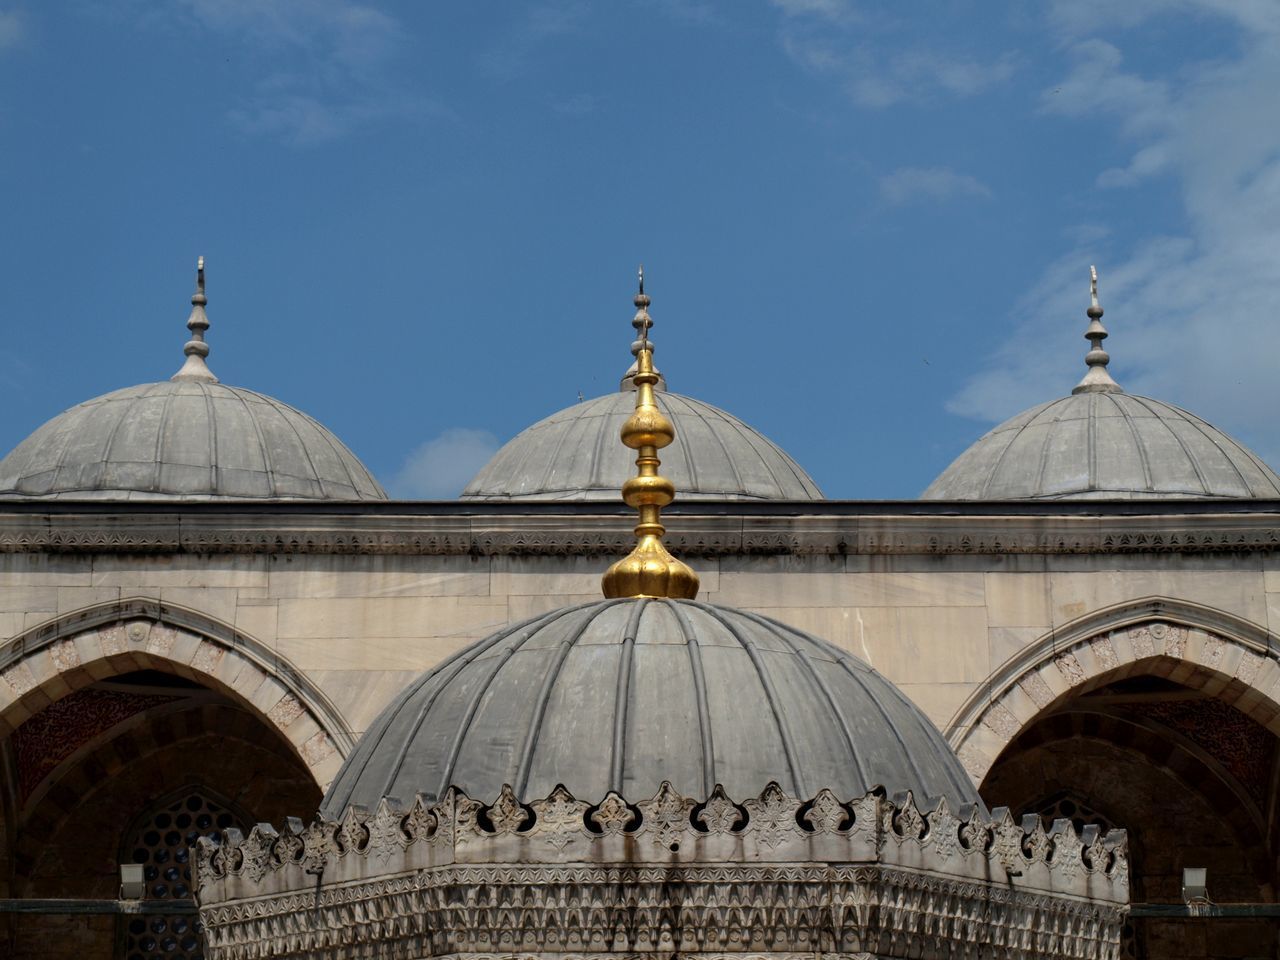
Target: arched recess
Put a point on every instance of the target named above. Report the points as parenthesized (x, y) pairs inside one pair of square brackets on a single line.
[(63, 655), (1234, 660)]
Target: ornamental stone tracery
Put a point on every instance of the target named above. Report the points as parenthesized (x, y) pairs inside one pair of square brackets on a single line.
[(768, 877)]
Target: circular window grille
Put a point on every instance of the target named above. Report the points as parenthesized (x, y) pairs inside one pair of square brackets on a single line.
[(162, 843)]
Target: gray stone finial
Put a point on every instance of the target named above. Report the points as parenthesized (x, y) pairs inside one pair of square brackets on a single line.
[(196, 349), (1097, 379), (642, 322)]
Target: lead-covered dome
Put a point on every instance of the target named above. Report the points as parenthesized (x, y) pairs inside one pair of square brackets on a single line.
[(624, 694), (1104, 446), (1102, 443), (574, 455), (186, 438)]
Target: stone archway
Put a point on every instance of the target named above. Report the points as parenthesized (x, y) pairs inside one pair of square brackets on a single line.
[(1197, 646), (67, 654)]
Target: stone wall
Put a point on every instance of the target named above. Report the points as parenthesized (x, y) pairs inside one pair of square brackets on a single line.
[(360, 627)]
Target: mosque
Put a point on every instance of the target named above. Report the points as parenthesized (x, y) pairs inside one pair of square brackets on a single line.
[(1013, 718)]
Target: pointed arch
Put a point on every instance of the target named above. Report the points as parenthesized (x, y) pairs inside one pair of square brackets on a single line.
[(1201, 647), (70, 652)]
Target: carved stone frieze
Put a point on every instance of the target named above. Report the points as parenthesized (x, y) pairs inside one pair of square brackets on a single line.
[(831, 528), (768, 877)]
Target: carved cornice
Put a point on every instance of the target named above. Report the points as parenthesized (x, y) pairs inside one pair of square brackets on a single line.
[(696, 529), (770, 875)]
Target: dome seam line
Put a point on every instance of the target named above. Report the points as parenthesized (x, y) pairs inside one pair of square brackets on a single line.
[(455, 664), (302, 445), (621, 697), (889, 724), (764, 461), (464, 728), (421, 717), (728, 457), (953, 771), (262, 442), (342, 460), (694, 650), (1195, 465), (544, 697), (158, 485), (213, 438), (995, 467), (771, 694), (1196, 422), (552, 459), (106, 453), (1148, 478), (812, 671), (685, 447)]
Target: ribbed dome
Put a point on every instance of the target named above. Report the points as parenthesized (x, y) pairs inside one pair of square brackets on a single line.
[(575, 455), (1100, 445), (185, 439), (623, 694)]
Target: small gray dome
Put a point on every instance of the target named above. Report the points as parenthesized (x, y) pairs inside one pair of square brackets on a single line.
[(575, 455), (191, 439), (624, 694), (1104, 445)]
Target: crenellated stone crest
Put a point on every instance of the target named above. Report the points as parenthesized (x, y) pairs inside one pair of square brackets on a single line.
[(668, 874)]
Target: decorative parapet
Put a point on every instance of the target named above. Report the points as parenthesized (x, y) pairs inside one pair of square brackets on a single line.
[(773, 874)]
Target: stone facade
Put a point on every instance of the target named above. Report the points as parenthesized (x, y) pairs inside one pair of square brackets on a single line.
[(1005, 622), (358, 605)]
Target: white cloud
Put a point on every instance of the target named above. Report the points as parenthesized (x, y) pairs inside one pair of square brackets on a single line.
[(828, 37), (12, 29), (442, 466), (319, 66), (578, 105), (1191, 313), (829, 9), (1097, 86), (1079, 17), (929, 183), (689, 11), (512, 54)]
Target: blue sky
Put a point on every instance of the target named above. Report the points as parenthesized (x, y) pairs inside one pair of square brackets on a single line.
[(866, 228)]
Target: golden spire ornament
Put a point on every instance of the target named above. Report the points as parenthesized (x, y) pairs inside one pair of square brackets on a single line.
[(649, 570)]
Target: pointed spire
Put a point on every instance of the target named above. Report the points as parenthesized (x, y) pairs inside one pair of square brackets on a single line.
[(649, 570), (642, 323), (1097, 379), (196, 349)]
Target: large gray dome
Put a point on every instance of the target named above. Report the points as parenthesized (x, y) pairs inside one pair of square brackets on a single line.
[(575, 455), (185, 439), (623, 694), (1101, 443), (1104, 445)]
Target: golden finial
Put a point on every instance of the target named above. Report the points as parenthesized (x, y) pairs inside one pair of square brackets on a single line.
[(649, 570)]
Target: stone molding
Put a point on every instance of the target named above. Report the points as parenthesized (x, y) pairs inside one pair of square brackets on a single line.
[(736, 529), (71, 652), (770, 876), (1189, 643)]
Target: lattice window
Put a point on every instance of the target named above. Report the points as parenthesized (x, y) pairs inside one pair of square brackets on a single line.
[(161, 841)]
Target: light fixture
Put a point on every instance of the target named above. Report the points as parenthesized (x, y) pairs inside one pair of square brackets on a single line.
[(132, 885), (1193, 884)]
